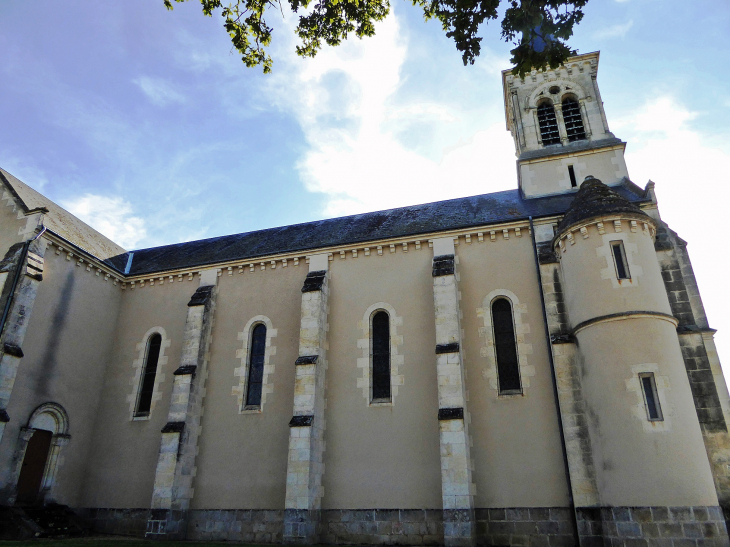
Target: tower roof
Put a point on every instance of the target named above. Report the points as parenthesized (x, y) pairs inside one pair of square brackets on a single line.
[(595, 199)]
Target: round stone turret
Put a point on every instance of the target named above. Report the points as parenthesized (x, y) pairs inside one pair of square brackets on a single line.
[(595, 199), (625, 337)]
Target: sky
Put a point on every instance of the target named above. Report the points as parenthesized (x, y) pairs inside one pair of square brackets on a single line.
[(146, 124)]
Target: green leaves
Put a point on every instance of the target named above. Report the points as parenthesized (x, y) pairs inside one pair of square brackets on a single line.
[(544, 25), (538, 28)]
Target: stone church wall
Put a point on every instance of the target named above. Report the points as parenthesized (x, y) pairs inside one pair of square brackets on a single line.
[(389, 450), (242, 457), (122, 464), (67, 346), (516, 437)]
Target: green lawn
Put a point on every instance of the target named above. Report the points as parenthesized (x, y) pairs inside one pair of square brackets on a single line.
[(117, 541)]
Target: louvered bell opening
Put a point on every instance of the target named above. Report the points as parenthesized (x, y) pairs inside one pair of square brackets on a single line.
[(548, 124), (573, 120)]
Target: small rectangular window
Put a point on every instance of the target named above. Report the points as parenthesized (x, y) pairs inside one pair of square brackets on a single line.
[(651, 399), (619, 258), (571, 172)]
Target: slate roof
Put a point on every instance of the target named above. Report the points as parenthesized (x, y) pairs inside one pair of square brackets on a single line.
[(409, 221), (596, 199), (60, 221)]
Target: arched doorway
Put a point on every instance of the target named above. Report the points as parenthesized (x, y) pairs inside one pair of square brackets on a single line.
[(33, 467), (37, 455)]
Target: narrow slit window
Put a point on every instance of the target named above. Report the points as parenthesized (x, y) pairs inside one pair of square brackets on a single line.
[(147, 385), (381, 356), (619, 258), (571, 174), (651, 399), (548, 124), (573, 120), (505, 343), (256, 366)]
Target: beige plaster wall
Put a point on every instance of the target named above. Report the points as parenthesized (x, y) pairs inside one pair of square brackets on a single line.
[(516, 441), (242, 458), (121, 469), (67, 346), (382, 456), (10, 225), (639, 462), (591, 286), (550, 175)]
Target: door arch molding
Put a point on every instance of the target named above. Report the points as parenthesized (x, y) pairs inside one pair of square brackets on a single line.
[(53, 418)]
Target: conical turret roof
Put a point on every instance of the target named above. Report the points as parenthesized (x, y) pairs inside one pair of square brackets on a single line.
[(595, 199)]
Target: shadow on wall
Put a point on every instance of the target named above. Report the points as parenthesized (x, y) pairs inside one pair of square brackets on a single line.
[(58, 322)]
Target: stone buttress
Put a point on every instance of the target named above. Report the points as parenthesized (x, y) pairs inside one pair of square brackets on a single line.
[(696, 339), (173, 489), (305, 465), (456, 481), (573, 409), (24, 262)]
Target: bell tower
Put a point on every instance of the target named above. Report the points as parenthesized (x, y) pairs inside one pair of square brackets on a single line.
[(561, 135)]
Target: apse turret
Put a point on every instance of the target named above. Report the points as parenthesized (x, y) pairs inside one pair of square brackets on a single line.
[(632, 373)]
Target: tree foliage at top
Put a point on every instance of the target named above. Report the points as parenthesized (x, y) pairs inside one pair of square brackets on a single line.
[(539, 29)]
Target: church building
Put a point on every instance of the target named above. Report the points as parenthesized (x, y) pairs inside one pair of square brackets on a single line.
[(531, 367)]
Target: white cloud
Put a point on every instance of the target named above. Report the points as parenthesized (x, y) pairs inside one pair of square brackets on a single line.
[(158, 91), (616, 31), (111, 216), (689, 173), (358, 156)]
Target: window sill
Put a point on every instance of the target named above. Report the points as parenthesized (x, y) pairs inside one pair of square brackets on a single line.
[(141, 418), (382, 402), (510, 393), (250, 409)]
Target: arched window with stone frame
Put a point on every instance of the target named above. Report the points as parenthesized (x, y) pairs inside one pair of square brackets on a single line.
[(380, 356), (505, 346), (548, 122), (149, 373)]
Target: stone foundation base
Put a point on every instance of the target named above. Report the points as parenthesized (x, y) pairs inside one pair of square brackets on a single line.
[(383, 526), (698, 526), (166, 524), (519, 527), (301, 526), (245, 525), (526, 527), (118, 522)]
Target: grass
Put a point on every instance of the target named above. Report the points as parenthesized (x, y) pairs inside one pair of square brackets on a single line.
[(118, 541)]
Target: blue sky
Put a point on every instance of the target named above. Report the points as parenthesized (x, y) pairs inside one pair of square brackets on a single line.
[(145, 124)]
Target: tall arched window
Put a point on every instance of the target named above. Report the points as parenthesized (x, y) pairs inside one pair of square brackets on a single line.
[(548, 124), (381, 355), (256, 366), (573, 120), (505, 343), (147, 386)]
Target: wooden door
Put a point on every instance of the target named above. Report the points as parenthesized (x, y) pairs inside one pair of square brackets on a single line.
[(34, 465)]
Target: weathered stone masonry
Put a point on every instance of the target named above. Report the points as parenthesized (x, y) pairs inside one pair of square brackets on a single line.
[(27, 265), (306, 429), (706, 381), (456, 481), (173, 488), (572, 405)]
